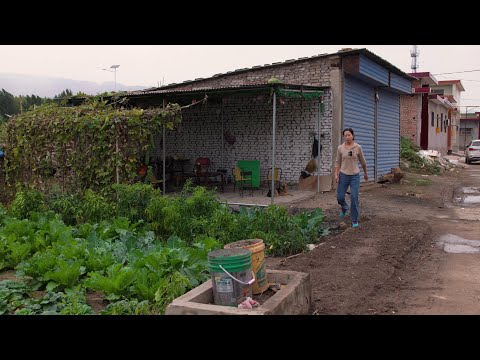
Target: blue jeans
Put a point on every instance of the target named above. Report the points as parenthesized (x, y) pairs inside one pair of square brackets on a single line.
[(343, 182)]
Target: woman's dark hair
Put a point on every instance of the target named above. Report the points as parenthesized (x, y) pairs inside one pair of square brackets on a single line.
[(351, 131)]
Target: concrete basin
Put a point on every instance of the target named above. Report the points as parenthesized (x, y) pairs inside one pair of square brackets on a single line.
[(292, 299)]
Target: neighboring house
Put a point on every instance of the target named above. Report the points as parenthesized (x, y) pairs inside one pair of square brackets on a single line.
[(452, 91), (426, 116), (361, 90), (469, 129)]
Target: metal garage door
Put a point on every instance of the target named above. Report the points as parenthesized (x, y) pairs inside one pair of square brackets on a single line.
[(359, 114), (388, 130)]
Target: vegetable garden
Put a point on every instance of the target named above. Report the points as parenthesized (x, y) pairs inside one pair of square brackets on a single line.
[(77, 224)]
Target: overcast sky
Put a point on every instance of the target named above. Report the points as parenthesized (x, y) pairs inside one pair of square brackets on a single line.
[(150, 65)]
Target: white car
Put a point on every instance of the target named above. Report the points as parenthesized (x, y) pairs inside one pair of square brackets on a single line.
[(472, 151)]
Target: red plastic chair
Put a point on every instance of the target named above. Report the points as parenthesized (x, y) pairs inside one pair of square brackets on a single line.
[(201, 165)]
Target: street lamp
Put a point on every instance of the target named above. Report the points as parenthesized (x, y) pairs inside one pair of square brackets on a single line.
[(114, 67)]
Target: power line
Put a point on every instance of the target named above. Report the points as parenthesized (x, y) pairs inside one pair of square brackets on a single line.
[(469, 107), (457, 72)]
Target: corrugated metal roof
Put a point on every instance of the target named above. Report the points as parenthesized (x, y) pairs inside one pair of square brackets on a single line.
[(209, 90), (220, 88)]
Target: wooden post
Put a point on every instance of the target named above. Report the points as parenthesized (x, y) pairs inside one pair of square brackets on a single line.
[(116, 151), (164, 142)]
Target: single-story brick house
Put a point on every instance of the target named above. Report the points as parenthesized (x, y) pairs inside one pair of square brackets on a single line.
[(429, 116), (359, 90), (469, 129)]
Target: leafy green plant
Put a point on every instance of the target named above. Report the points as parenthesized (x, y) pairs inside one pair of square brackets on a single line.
[(170, 287), (27, 201), (176, 257), (12, 294), (61, 263), (94, 208), (130, 307), (282, 236), (74, 302), (310, 224), (187, 215), (39, 264), (65, 274), (99, 259), (21, 238), (132, 200), (115, 284), (66, 204), (19, 298)]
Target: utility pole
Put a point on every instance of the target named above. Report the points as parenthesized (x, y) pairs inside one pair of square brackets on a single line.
[(465, 130)]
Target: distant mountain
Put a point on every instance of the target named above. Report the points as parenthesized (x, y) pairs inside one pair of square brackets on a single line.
[(17, 84)]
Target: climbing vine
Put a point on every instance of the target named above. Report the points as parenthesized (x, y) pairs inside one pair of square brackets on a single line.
[(82, 146)]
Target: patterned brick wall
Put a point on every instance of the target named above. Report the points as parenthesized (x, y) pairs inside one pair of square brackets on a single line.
[(249, 119), (305, 72), (409, 109)]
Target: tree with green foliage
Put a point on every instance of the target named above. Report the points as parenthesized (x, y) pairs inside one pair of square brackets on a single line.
[(27, 102), (8, 105), (64, 94)]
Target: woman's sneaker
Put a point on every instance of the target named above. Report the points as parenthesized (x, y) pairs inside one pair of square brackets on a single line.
[(343, 214), (355, 225)]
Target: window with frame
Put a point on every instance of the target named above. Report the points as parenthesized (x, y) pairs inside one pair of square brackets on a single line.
[(441, 122), (465, 131), (433, 119)]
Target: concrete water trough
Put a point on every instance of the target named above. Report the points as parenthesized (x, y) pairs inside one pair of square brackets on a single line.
[(292, 299)]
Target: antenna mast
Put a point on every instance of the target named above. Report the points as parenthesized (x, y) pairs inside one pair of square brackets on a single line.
[(414, 53)]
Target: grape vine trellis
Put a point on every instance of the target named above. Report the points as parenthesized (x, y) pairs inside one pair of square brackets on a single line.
[(82, 146)]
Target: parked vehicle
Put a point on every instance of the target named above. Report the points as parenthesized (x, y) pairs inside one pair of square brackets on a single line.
[(472, 151)]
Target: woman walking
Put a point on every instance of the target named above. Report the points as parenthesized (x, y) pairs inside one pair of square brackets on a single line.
[(347, 174)]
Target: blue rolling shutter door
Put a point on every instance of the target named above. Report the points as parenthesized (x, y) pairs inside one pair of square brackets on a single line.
[(388, 127), (359, 114)]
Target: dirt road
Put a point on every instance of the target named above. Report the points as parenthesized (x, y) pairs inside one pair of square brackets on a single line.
[(417, 250)]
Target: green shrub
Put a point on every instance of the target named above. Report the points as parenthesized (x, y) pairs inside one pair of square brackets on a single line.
[(409, 152), (132, 200), (94, 208), (186, 216), (65, 204), (26, 202)]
